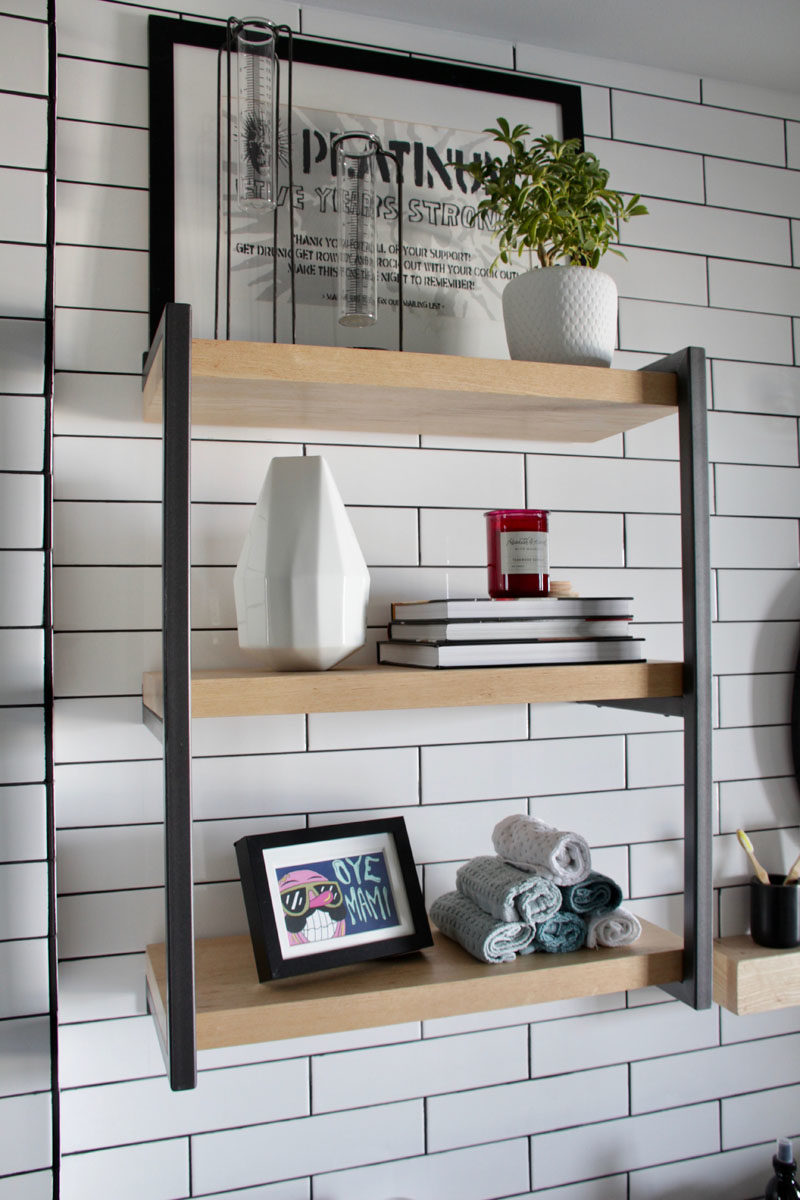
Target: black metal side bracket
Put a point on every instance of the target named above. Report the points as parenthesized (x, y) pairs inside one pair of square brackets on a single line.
[(668, 706), (169, 360), (696, 987), (694, 705)]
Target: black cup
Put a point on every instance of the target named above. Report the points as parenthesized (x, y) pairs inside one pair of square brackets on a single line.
[(775, 913)]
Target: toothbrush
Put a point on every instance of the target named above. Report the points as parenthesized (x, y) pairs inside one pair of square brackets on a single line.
[(747, 846), (794, 871)]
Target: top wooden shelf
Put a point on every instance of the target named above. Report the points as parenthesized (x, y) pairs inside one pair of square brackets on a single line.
[(279, 386)]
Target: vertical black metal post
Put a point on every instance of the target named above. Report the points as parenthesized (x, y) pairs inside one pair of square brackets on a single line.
[(176, 668), (690, 368)]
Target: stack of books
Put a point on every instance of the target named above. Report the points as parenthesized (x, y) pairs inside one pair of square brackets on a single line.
[(536, 629)]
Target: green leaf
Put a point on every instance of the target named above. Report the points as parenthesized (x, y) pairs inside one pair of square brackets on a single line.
[(549, 196)]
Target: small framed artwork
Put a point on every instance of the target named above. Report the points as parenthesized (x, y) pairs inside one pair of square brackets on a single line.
[(326, 897)]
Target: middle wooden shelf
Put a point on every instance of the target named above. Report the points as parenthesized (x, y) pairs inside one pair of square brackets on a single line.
[(241, 693)]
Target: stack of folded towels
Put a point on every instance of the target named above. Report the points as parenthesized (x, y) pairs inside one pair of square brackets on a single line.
[(538, 892)]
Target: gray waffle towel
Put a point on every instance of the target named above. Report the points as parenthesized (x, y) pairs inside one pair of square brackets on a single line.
[(532, 845), (506, 892), (485, 937)]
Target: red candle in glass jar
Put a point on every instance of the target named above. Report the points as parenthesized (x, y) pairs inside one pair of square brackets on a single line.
[(518, 552)]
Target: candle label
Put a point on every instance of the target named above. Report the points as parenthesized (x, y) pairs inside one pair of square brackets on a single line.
[(524, 553)]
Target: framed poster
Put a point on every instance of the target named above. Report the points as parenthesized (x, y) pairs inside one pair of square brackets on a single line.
[(320, 898), (430, 113)]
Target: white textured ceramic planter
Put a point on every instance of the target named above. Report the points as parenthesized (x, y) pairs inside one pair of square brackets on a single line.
[(561, 314), (301, 584)]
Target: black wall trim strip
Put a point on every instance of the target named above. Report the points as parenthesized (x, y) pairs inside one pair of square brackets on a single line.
[(47, 542)]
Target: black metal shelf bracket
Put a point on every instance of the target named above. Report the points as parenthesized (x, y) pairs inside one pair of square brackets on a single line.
[(695, 989), (171, 354)]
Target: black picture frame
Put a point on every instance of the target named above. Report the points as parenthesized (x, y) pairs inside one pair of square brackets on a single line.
[(331, 896), (166, 33)]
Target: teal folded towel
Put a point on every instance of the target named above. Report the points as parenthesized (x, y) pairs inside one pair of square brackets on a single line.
[(507, 893), (595, 894), (563, 932), (486, 938)]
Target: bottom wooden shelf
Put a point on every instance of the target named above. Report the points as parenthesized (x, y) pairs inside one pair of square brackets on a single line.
[(749, 978), (233, 1008)]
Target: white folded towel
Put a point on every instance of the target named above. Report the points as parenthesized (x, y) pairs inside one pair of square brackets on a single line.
[(532, 845), (617, 928)]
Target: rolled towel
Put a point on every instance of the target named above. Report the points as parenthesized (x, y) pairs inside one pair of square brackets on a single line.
[(485, 937), (506, 892), (618, 928), (597, 894), (532, 845), (563, 932)]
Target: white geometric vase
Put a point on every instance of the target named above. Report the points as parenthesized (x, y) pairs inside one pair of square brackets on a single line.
[(561, 314), (301, 583)]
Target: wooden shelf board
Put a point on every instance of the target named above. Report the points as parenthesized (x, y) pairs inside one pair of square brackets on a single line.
[(237, 693), (751, 979), (233, 1008), (258, 384)]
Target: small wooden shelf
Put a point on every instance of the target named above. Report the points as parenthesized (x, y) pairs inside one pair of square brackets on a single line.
[(233, 1008), (750, 979), (319, 387), (250, 693)]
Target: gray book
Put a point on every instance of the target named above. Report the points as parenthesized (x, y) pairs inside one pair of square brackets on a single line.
[(483, 608), (502, 654), (526, 629)]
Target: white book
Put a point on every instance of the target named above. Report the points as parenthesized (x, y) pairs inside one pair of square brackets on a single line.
[(528, 629), (502, 654), (483, 608)]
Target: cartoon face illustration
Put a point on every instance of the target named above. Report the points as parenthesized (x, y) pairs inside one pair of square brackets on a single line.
[(313, 907)]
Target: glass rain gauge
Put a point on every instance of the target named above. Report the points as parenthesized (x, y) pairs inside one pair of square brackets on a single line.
[(249, 152), (257, 115), (356, 159)]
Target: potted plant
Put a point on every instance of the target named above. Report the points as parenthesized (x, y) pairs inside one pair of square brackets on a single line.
[(552, 199)]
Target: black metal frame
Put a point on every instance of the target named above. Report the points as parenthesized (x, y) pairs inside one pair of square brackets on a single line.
[(164, 33), (695, 988), (694, 705), (173, 345), (259, 888)]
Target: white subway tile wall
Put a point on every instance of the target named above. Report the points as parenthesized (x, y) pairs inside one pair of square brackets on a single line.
[(595, 1099)]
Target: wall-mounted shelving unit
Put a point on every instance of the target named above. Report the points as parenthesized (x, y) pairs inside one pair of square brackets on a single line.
[(207, 994), (750, 979)]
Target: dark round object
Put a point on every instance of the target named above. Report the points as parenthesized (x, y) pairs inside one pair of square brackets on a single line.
[(775, 913)]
